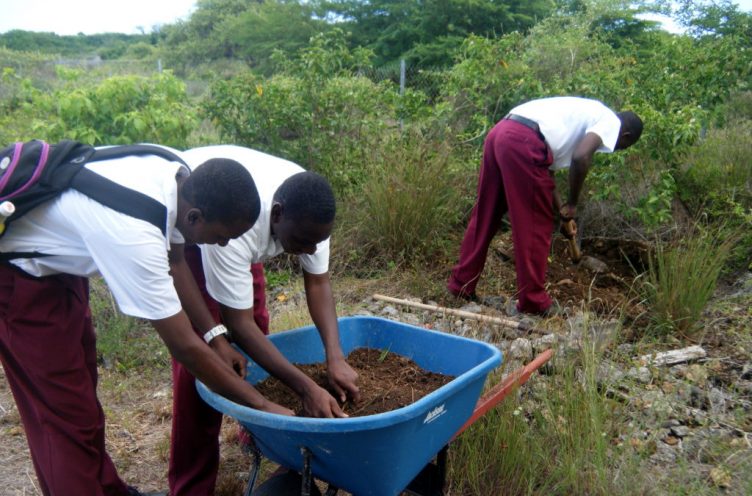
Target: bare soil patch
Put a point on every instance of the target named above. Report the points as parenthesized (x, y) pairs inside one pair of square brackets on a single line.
[(387, 381), (607, 293)]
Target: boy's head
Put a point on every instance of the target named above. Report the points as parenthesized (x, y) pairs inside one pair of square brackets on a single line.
[(630, 131), (303, 212), (221, 202)]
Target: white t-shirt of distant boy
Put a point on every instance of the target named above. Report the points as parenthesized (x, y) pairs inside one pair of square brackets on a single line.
[(565, 120), (82, 237), (226, 268)]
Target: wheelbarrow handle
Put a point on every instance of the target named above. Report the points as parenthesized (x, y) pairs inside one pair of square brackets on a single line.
[(501, 390)]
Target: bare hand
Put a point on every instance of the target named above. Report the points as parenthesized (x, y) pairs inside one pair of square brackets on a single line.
[(229, 355), (568, 212), (568, 229), (319, 403), (343, 379)]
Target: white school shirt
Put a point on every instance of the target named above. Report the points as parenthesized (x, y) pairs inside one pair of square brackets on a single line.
[(227, 268), (84, 238), (565, 120)]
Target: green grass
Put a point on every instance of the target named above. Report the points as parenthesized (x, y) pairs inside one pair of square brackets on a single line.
[(408, 201), (682, 277), (553, 437), (123, 343)]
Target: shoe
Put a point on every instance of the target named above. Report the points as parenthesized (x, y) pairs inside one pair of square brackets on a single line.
[(472, 296), (555, 310)]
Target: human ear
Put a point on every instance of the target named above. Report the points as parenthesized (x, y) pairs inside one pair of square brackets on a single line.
[(194, 215)]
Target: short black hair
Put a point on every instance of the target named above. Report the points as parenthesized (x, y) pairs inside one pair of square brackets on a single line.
[(224, 191), (307, 196), (631, 123)]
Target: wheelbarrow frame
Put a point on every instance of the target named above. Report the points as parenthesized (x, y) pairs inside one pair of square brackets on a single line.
[(432, 479)]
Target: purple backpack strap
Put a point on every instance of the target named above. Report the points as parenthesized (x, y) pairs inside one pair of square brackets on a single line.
[(14, 162)]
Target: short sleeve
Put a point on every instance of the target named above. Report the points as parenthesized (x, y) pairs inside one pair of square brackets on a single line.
[(227, 270), (136, 271), (607, 127), (318, 263)]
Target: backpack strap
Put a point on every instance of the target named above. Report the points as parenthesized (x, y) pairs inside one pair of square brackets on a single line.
[(120, 151), (121, 199), (113, 195)]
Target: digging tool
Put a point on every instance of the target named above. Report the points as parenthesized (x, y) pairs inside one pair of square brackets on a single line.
[(514, 324), (590, 263), (574, 249)]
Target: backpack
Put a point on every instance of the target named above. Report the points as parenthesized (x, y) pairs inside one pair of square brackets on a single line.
[(34, 172)]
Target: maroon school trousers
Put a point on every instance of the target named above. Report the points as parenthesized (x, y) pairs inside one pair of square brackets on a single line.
[(514, 177), (194, 444), (48, 351)]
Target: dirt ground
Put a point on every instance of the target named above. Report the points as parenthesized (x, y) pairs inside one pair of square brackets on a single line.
[(607, 291), (138, 407), (138, 404), (388, 381)]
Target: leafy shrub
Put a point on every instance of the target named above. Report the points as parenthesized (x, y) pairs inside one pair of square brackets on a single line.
[(317, 113), (719, 167), (117, 110)]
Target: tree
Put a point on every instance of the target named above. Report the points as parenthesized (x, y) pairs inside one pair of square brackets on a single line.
[(266, 27), (428, 30)]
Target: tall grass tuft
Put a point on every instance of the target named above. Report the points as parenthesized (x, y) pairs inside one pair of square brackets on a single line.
[(555, 441), (682, 277), (407, 205)]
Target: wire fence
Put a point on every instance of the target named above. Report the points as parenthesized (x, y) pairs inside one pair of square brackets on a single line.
[(415, 77), (44, 71)]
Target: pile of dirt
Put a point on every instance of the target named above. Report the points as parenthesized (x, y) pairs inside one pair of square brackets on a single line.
[(387, 381), (607, 292)]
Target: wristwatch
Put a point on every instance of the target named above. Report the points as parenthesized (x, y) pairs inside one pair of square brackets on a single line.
[(214, 332)]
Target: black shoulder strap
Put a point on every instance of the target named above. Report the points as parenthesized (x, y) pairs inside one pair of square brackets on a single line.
[(120, 151), (121, 199)]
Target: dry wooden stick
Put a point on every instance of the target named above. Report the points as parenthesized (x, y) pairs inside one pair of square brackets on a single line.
[(452, 311)]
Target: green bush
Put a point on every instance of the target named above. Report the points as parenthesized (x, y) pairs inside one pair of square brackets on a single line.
[(318, 112), (117, 110), (715, 181), (719, 167)]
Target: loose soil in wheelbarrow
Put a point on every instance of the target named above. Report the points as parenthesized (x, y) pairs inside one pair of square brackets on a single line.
[(387, 381)]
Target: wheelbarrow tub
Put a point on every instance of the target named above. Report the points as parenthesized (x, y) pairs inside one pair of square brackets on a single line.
[(376, 454)]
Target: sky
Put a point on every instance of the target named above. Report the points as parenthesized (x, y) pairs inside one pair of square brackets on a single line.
[(69, 17)]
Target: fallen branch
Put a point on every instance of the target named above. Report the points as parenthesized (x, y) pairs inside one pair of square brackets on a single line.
[(674, 356), (460, 313)]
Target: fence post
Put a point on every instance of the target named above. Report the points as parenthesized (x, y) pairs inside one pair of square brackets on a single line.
[(159, 66), (402, 86)]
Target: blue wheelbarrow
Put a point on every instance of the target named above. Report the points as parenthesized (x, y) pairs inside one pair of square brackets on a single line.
[(387, 453)]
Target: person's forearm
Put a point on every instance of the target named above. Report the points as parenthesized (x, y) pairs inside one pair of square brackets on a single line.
[(189, 350), (577, 173), (323, 312), (250, 339), (190, 296)]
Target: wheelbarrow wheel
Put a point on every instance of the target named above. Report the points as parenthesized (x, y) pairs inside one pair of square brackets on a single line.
[(285, 484)]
